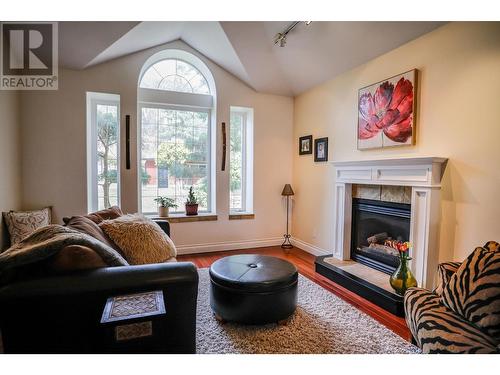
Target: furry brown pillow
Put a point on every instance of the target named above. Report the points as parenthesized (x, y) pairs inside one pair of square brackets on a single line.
[(141, 240)]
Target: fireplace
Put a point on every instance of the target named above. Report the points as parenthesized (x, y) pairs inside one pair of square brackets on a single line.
[(376, 225), (415, 217)]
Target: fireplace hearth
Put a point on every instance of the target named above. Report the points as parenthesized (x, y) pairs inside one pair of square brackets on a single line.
[(376, 226)]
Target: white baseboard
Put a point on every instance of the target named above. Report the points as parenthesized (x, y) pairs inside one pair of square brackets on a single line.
[(312, 249), (229, 245)]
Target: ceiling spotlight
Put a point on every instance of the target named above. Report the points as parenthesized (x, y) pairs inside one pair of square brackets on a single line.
[(280, 38)]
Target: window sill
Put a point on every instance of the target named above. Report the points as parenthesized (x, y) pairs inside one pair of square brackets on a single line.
[(241, 216), (182, 218)]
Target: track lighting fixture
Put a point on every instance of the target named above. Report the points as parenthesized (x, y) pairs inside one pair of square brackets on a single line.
[(280, 38)]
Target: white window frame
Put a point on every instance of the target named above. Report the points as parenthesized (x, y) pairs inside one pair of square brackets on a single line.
[(209, 159), (247, 156), (181, 101), (93, 100)]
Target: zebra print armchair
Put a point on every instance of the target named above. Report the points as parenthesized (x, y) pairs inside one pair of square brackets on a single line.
[(462, 315)]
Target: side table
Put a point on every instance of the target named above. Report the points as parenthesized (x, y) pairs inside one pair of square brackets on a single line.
[(133, 323)]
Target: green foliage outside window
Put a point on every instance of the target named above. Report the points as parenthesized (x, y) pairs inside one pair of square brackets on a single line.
[(235, 152)]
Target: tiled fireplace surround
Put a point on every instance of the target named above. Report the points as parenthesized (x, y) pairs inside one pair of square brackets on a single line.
[(406, 180)]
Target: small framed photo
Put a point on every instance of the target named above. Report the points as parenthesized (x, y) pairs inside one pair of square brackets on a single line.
[(321, 149), (305, 145)]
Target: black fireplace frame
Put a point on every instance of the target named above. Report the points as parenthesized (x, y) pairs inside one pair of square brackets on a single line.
[(379, 207)]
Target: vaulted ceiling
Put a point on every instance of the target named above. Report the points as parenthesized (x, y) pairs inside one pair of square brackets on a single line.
[(313, 54)]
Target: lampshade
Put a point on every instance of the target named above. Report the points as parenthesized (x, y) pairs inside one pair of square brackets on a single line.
[(287, 190)]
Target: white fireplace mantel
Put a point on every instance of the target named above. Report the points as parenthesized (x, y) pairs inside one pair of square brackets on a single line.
[(424, 171), (424, 175)]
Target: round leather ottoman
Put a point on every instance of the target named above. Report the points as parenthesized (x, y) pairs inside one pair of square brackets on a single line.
[(253, 289)]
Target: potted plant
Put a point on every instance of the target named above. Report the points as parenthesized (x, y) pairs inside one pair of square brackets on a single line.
[(191, 203), (164, 203)]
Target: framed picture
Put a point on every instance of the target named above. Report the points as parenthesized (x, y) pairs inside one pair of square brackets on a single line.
[(305, 145), (386, 112), (321, 149)]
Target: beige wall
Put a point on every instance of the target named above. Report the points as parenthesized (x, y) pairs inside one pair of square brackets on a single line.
[(10, 156), (458, 118), (54, 148)]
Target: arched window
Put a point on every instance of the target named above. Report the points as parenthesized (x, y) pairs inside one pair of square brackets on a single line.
[(175, 75), (176, 95)]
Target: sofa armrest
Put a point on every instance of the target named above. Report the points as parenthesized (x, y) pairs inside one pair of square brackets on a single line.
[(62, 314), (445, 272), (164, 224), (110, 280), (437, 329)]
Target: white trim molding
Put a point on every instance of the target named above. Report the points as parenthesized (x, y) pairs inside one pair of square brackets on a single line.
[(423, 175), (311, 249), (228, 245), (248, 244)]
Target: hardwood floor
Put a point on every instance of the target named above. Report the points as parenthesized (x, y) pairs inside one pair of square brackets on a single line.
[(305, 264)]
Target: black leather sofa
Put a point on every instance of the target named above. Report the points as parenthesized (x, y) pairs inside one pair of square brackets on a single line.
[(61, 314)]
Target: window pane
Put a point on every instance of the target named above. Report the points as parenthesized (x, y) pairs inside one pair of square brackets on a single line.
[(175, 75), (175, 156), (185, 70), (165, 67), (151, 79), (199, 85), (175, 83), (236, 196), (107, 155)]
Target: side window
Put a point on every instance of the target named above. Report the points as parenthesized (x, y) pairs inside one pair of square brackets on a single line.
[(103, 150), (241, 160)]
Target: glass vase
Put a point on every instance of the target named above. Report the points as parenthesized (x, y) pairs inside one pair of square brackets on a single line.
[(402, 278)]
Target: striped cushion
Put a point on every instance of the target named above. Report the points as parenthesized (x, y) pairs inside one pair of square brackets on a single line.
[(473, 291), (437, 329), (445, 272)]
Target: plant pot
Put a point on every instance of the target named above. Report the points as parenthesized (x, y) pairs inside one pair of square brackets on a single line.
[(163, 211), (191, 209)]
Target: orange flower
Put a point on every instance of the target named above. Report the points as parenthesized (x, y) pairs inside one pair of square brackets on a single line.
[(403, 246)]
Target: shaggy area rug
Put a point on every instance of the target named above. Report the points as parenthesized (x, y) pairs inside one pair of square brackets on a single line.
[(322, 323)]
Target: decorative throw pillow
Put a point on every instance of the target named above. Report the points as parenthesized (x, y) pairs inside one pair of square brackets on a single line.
[(21, 224), (445, 272), (474, 290), (140, 239), (107, 214), (84, 225)]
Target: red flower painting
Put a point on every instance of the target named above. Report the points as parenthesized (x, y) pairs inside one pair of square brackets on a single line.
[(386, 110)]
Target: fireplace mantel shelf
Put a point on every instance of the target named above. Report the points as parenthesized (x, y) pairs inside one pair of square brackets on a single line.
[(417, 172), (391, 162)]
